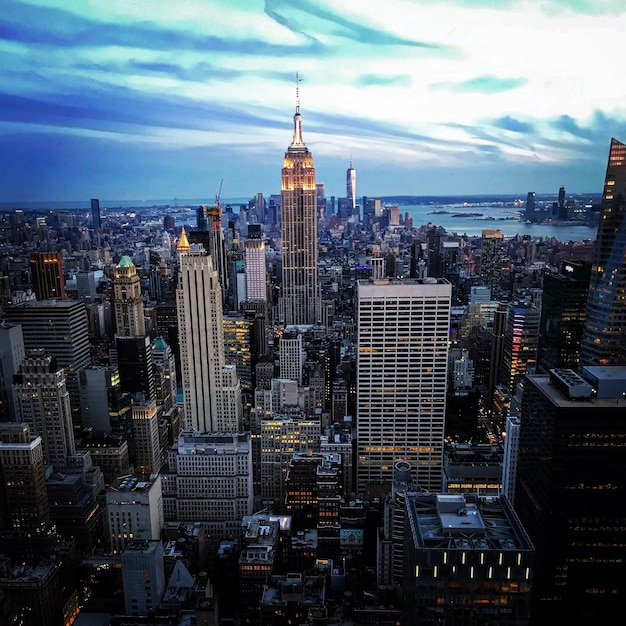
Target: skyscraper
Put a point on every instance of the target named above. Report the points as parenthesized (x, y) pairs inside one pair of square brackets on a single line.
[(402, 368), (562, 320), (301, 302), (46, 271), (603, 340), (491, 260), (351, 187), (43, 403), (571, 477), (129, 312), (95, 213), (256, 271), (211, 390)]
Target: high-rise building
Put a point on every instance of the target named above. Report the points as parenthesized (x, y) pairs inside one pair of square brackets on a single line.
[(11, 355), (86, 287), (402, 369), (60, 328), (165, 367), (143, 573), (529, 212), (604, 337), (571, 477), (46, 270), (133, 358), (211, 390), (467, 560), (134, 509), (42, 402), (23, 486), (99, 387), (256, 270), (129, 313), (491, 258), (208, 477), (301, 301), (351, 188), (95, 213), (562, 322), (148, 450)]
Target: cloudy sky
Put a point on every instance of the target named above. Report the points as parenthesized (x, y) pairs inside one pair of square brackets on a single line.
[(132, 99)]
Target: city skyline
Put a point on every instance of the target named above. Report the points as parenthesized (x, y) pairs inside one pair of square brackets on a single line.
[(127, 100)]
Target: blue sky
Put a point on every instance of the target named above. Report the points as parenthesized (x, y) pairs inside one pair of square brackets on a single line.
[(141, 99)]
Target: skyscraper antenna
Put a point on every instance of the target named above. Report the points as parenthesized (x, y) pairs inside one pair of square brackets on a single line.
[(298, 80)]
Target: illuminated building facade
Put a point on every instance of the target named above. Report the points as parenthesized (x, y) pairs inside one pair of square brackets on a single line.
[(491, 258), (129, 313), (256, 271), (402, 370), (211, 390), (301, 302), (603, 341), (351, 188)]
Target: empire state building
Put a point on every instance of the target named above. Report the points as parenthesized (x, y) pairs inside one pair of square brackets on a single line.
[(300, 303)]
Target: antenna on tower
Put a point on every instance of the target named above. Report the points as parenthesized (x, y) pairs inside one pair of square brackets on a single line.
[(298, 81)]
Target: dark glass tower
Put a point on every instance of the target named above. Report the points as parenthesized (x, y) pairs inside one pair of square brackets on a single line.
[(570, 493), (562, 320), (95, 213), (605, 329), (46, 270)]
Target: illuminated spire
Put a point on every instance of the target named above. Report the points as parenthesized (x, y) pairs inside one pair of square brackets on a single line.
[(183, 244), (297, 119)]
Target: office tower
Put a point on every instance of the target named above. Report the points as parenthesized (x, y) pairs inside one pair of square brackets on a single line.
[(473, 468), (603, 340), (287, 431), (148, 451), (402, 366), (467, 560), (321, 200), (46, 270), (562, 215), (134, 509), (76, 513), (165, 366), (23, 493), (434, 260), (129, 313), (291, 355), (133, 358), (11, 355), (99, 386), (511, 454), (213, 236), (143, 574), (497, 349), (256, 270), (208, 477), (42, 402), (238, 349), (211, 391), (202, 220), (301, 301), (86, 287), (351, 188), (519, 352), (95, 213), (562, 322), (529, 213), (60, 328), (491, 260), (571, 478)]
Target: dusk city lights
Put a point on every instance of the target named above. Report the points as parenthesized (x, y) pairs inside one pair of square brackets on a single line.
[(312, 313)]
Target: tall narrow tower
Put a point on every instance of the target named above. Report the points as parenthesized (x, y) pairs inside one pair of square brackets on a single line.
[(212, 393), (301, 303), (129, 313), (603, 340), (351, 187)]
